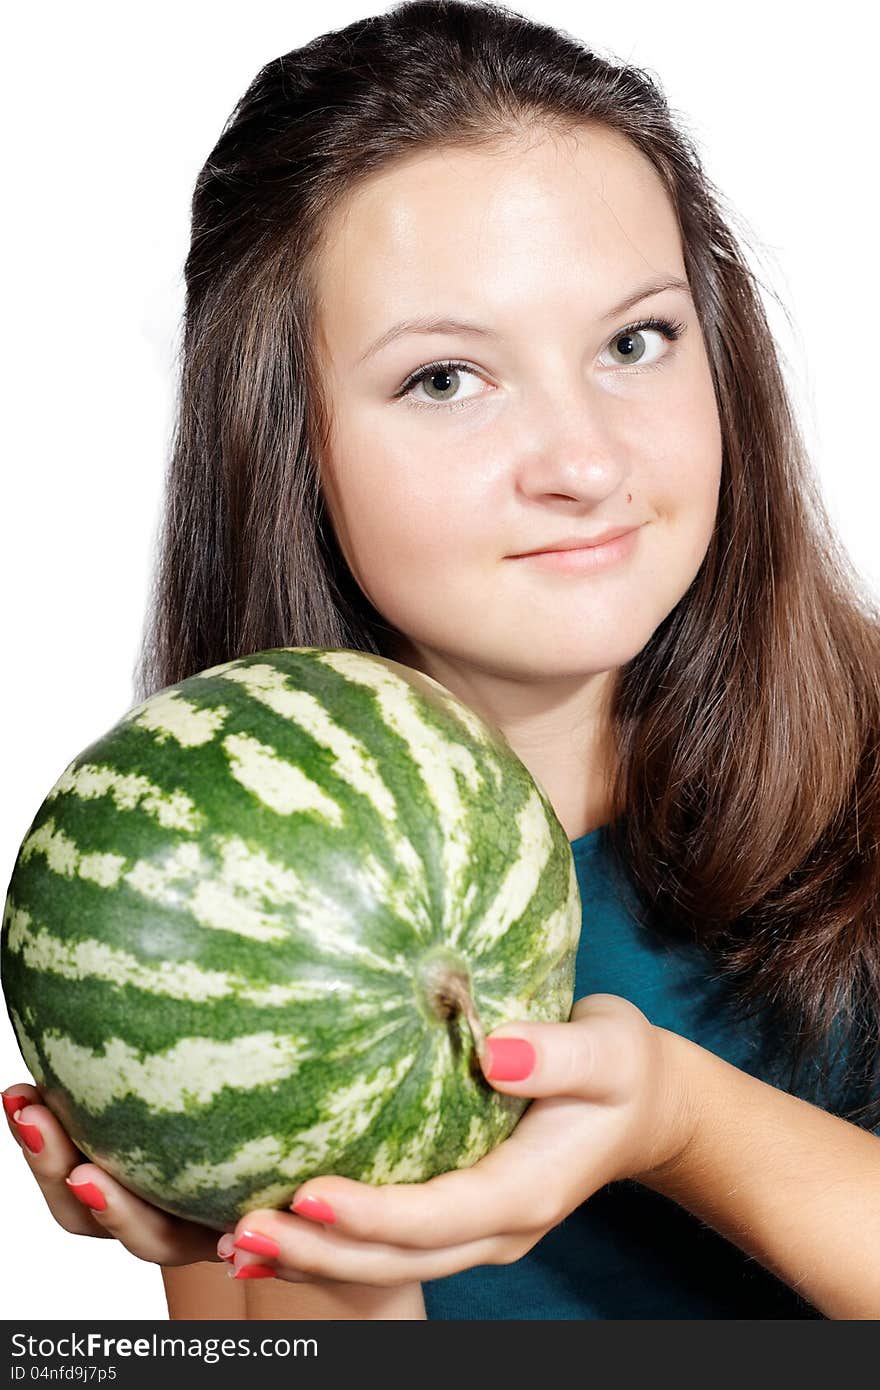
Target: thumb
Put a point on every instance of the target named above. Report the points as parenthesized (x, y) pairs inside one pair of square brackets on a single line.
[(586, 1057)]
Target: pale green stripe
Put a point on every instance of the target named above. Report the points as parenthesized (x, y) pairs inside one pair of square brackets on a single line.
[(282, 786), (560, 931), (130, 791), (169, 715), (193, 1071), (278, 784), (409, 1165), (89, 959), (28, 1050), (347, 1113), (234, 898), (64, 857), (438, 760), (517, 887), (353, 762)]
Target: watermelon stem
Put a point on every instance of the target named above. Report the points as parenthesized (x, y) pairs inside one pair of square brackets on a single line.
[(449, 995)]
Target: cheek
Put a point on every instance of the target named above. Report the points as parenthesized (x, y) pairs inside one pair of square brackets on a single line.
[(403, 514), (404, 526), (681, 489), (693, 518), (704, 485), (689, 481)]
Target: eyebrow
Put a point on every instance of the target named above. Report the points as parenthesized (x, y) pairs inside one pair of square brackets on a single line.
[(427, 324)]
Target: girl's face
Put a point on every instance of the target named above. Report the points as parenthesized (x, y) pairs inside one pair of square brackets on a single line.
[(558, 424)]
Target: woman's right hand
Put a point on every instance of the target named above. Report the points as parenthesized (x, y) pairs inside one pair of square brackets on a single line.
[(145, 1230)]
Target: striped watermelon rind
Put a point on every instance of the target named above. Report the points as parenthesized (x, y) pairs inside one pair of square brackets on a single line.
[(242, 929)]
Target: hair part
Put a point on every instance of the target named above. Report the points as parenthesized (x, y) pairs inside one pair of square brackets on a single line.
[(747, 787)]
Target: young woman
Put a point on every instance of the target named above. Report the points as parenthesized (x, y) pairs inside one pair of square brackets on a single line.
[(459, 290)]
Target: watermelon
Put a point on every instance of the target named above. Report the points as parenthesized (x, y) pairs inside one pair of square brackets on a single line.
[(259, 931)]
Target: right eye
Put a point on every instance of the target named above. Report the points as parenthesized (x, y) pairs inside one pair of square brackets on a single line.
[(448, 374)]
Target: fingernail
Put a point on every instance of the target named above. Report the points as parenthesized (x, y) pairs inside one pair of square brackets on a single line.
[(314, 1208), (258, 1245), (88, 1194), (510, 1059), (31, 1135), (226, 1246), (12, 1104), (254, 1272)]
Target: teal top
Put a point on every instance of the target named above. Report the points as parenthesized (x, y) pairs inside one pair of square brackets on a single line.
[(629, 1252)]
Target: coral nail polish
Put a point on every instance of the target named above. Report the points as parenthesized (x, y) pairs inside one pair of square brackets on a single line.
[(31, 1135), (510, 1059), (254, 1272), (88, 1194), (12, 1104), (314, 1208), (256, 1244)]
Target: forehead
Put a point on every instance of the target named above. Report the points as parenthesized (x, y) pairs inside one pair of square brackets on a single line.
[(581, 213)]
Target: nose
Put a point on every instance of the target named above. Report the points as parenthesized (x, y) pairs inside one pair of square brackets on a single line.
[(571, 445)]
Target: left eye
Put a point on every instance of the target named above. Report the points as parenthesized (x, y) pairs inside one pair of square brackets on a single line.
[(449, 374), (632, 354)]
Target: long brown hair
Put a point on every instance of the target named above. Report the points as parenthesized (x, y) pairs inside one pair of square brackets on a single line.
[(747, 787)]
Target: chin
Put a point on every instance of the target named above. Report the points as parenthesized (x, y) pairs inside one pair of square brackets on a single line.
[(587, 652)]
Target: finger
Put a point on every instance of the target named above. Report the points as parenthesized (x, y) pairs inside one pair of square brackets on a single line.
[(311, 1254), (594, 1056), (144, 1229), (506, 1191), (15, 1097), (75, 1189), (50, 1156)]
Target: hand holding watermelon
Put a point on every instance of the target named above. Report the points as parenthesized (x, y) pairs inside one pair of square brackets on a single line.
[(613, 1101), (616, 1101), (259, 930), (70, 1185)]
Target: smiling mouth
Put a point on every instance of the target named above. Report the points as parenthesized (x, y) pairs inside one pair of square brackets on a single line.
[(584, 559), (579, 543)]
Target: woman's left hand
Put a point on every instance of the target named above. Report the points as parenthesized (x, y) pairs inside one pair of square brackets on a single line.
[(614, 1103)]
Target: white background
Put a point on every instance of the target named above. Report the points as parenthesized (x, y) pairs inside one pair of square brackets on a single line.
[(110, 111)]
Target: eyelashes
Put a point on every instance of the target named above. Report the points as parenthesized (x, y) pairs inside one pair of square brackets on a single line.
[(670, 329)]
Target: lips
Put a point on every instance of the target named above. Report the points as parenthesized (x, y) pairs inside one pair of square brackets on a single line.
[(579, 542)]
